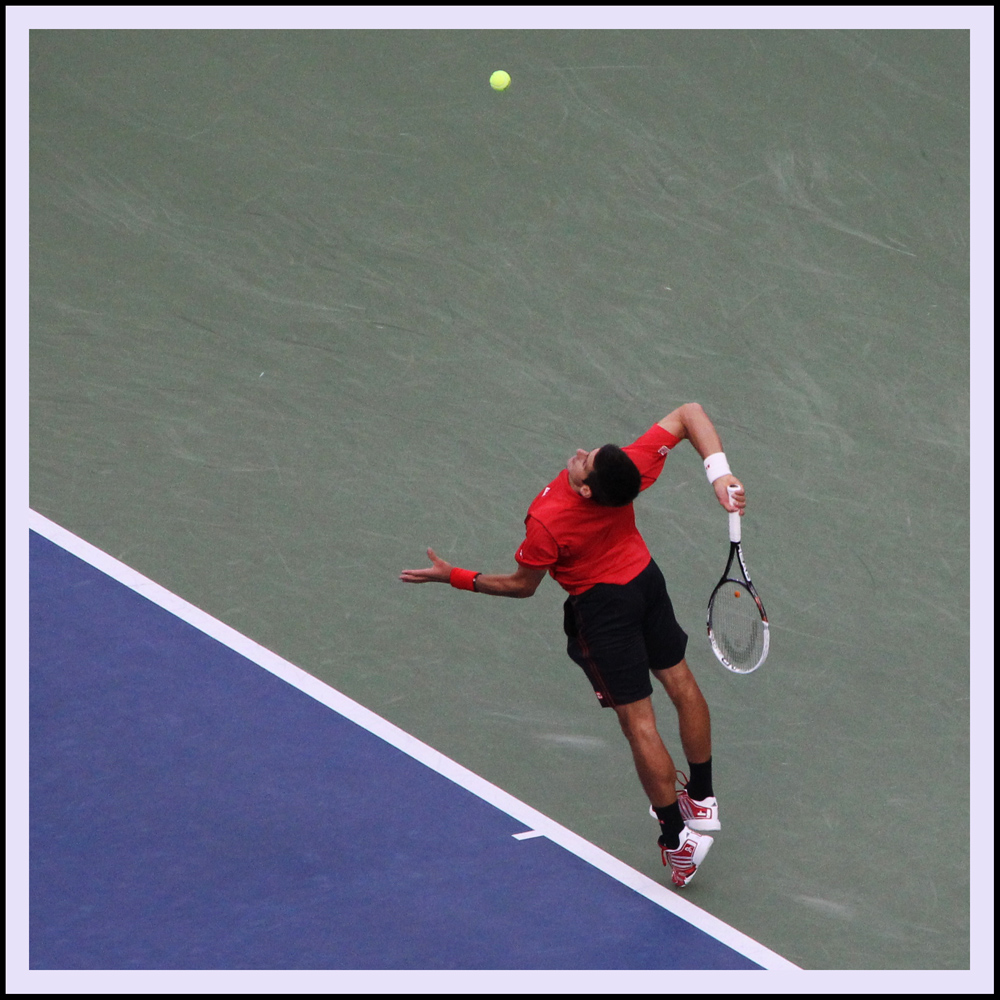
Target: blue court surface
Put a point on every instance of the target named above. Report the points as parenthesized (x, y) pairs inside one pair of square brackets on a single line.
[(191, 809)]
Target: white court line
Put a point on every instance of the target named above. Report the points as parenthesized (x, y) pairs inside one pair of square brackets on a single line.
[(538, 824)]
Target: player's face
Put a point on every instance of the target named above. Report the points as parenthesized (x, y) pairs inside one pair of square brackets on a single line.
[(580, 466)]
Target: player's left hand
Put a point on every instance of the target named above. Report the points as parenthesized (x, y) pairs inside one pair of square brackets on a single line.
[(739, 501), (439, 572)]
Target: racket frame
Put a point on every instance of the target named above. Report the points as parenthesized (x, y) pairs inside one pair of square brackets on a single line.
[(736, 555)]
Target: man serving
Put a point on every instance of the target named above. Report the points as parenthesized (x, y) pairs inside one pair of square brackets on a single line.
[(618, 618)]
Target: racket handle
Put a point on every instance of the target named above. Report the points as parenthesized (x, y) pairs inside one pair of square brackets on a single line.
[(734, 519)]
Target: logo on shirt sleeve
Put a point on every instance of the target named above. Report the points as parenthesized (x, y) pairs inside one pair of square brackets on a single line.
[(663, 451)]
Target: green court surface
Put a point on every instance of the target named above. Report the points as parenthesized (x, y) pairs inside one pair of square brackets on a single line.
[(305, 303)]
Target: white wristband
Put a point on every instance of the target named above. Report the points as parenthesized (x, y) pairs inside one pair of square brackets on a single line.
[(717, 466)]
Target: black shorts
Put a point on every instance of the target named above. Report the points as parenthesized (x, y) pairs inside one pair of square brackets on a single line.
[(618, 632)]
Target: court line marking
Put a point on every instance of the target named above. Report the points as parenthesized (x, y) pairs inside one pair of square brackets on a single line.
[(538, 823)]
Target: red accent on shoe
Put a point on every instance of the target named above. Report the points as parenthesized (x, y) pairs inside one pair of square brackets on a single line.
[(699, 815), (684, 859)]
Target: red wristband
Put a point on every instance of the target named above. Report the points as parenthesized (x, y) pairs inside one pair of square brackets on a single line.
[(463, 579)]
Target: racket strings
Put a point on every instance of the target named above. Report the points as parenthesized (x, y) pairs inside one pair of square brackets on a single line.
[(736, 628)]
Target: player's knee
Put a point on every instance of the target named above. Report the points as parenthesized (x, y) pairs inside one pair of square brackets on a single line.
[(679, 682), (638, 727)]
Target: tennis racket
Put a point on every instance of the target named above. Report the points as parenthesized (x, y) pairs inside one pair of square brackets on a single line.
[(737, 622)]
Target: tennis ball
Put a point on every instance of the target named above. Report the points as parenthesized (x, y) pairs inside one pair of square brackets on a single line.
[(500, 80)]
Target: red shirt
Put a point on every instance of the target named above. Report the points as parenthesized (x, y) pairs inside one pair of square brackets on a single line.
[(582, 543)]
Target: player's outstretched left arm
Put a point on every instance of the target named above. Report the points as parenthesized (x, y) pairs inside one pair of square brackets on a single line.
[(692, 422), (522, 583)]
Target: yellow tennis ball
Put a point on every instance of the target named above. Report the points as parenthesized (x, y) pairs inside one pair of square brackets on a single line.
[(500, 80)]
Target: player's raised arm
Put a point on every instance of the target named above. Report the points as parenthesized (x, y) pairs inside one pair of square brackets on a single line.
[(521, 583), (692, 422)]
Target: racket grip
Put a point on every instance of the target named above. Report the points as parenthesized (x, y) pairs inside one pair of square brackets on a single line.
[(734, 519)]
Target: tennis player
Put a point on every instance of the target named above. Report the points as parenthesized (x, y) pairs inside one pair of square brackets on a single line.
[(618, 618)]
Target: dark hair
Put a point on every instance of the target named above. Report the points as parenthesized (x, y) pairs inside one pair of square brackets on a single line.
[(615, 480)]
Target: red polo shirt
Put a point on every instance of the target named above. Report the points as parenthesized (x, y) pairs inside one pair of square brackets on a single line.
[(582, 543)]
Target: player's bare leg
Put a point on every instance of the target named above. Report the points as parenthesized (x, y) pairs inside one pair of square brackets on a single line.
[(653, 762), (692, 711), (682, 849), (697, 801)]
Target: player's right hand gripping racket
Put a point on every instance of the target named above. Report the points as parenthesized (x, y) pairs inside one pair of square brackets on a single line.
[(737, 622)]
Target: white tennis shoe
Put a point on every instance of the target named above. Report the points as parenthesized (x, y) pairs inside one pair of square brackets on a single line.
[(684, 859), (699, 814)]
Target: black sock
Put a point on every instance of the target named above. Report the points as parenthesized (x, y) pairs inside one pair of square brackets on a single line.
[(671, 825), (700, 785)]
